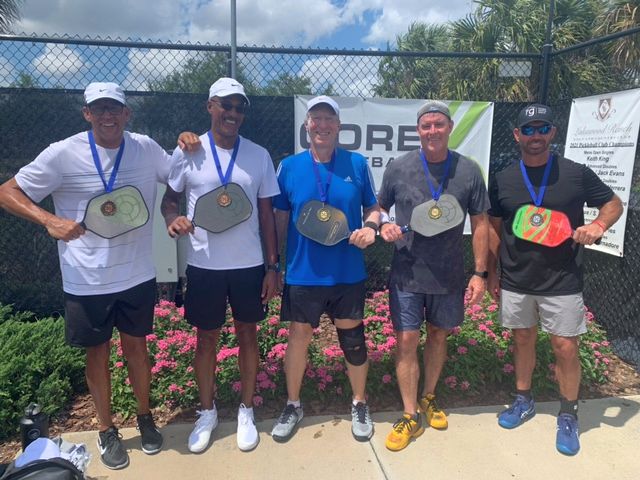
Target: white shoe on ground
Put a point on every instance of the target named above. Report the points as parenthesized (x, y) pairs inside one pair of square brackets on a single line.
[(247, 436), (201, 435)]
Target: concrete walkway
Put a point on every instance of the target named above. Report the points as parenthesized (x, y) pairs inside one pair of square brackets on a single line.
[(474, 447)]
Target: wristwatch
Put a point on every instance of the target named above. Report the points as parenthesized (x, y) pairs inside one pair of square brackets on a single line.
[(274, 267), (484, 274), (372, 225)]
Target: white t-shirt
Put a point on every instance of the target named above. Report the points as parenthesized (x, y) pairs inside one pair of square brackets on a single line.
[(196, 174), (92, 265)]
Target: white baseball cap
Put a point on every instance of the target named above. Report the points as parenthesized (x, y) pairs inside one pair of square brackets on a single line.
[(225, 86), (323, 99), (97, 90)]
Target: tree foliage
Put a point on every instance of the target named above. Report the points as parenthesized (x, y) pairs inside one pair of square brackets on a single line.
[(9, 13)]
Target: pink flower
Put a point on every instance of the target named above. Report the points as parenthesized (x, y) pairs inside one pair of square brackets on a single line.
[(492, 308), (462, 350), (386, 378), (119, 364), (472, 341), (283, 332), (257, 400), (500, 354), (236, 386), (465, 385), (451, 381), (508, 368)]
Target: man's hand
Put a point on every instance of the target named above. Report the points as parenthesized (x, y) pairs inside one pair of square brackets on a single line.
[(188, 141), (269, 286), (476, 288), (390, 232), (362, 237), (64, 229), (180, 225), (588, 234), (493, 285)]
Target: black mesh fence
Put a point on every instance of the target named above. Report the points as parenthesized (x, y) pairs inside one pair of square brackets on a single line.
[(41, 83)]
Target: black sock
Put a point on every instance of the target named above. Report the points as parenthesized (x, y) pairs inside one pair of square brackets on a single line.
[(525, 393), (570, 407)]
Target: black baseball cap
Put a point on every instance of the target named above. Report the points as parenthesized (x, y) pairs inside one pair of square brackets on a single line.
[(535, 113)]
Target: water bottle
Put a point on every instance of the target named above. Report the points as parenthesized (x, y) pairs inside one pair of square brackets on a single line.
[(34, 424)]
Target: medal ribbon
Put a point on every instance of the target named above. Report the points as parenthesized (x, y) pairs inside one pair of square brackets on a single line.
[(537, 199), (224, 178), (435, 194), (322, 189), (108, 186)]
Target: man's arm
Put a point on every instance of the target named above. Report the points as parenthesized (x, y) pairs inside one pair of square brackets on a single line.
[(365, 236), (268, 231), (170, 208), (480, 244), (608, 214), (493, 282), (16, 202)]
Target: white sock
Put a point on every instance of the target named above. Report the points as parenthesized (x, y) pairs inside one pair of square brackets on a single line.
[(354, 402), (295, 404)]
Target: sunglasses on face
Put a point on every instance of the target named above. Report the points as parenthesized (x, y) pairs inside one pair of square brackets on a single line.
[(529, 130), (98, 110), (228, 106)]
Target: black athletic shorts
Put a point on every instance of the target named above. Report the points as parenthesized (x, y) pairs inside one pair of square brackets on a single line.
[(205, 304), (89, 319), (305, 304)]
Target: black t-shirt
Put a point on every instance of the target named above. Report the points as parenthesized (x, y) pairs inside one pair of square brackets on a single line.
[(535, 269), (433, 265)]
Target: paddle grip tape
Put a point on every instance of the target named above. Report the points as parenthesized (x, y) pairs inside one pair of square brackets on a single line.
[(353, 344)]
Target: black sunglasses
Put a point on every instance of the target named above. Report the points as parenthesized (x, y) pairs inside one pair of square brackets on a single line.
[(529, 130), (228, 106), (98, 110)]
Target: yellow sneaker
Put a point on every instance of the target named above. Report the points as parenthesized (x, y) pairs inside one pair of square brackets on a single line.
[(436, 417), (403, 431)]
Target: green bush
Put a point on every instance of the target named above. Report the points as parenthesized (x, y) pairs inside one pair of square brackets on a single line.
[(35, 366)]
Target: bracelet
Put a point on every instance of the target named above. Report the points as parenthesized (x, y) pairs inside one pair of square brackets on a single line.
[(373, 225), (601, 225)]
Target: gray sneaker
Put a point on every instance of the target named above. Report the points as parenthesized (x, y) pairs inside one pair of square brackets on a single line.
[(361, 423), (286, 425)]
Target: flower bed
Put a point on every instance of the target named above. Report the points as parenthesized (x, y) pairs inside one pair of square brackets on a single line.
[(480, 355)]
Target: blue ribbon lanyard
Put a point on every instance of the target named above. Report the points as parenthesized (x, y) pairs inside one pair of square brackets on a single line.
[(108, 186), (224, 178), (537, 198), (322, 189), (435, 194)]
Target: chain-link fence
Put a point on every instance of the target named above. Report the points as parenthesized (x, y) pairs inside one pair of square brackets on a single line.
[(41, 81)]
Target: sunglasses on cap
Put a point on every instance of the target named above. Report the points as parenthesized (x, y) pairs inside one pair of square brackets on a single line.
[(529, 130), (228, 106)]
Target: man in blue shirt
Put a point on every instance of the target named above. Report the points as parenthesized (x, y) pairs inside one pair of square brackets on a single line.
[(320, 278)]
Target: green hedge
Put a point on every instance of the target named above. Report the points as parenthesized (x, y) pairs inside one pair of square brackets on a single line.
[(35, 366)]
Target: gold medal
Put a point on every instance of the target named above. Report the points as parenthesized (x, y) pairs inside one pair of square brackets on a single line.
[(224, 199), (435, 212), (108, 208), (323, 214)]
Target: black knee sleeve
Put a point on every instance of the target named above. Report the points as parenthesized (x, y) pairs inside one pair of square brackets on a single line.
[(353, 344)]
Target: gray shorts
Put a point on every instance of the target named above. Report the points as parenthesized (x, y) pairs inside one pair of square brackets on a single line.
[(561, 315)]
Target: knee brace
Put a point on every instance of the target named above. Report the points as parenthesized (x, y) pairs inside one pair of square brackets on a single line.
[(353, 344)]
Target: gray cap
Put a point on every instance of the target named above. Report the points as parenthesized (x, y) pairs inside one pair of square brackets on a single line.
[(535, 113), (434, 106)]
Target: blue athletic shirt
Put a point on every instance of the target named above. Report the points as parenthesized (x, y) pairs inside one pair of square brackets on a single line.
[(351, 189)]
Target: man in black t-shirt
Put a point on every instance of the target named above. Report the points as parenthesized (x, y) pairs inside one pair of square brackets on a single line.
[(539, 283)]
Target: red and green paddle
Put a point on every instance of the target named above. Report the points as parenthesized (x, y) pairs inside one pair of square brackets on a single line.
[(542, 226)]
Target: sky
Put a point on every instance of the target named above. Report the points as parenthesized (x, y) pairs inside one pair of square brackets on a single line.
[(335, 24), (351, 24)]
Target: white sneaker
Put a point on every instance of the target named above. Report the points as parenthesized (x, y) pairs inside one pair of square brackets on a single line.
[(247, 436), (201, 434)]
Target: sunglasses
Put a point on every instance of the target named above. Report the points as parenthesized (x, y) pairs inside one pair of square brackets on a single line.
[(228, 106), (529, 130), (99, 110)]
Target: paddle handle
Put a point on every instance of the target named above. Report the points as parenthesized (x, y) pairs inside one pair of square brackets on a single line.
[(405, 229)]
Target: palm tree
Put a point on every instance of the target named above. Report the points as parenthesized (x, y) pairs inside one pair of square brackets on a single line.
[(9, 13), (622, 15)]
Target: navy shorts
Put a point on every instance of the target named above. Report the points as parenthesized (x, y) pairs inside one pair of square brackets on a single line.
[(205, 303), (305, 304), (409, 310), (89, 319)]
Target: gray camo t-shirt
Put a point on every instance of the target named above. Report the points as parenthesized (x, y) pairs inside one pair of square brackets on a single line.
[(433, 265)]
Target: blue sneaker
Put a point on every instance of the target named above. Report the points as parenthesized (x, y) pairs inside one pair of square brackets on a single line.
[(567, 437), (519, 412)]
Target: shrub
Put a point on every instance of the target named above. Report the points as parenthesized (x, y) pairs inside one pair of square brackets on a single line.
[(479, 355), (35, 366)]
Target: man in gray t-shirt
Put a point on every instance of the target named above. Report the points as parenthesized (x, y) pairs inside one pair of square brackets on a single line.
[(427, 272)]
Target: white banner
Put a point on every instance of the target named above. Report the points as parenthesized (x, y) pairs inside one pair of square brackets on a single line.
[(382, 129), (603, 134)]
